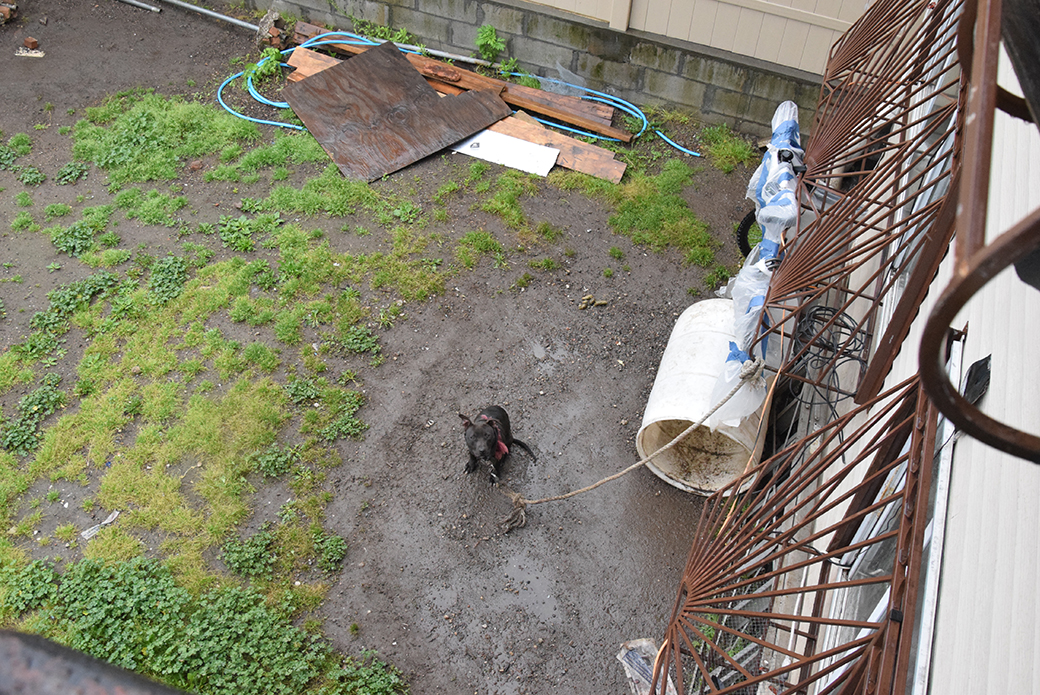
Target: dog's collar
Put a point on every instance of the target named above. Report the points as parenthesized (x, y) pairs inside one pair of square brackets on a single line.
[(500, 447)]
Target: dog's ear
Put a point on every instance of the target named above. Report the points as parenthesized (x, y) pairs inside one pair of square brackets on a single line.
[(466, 424)]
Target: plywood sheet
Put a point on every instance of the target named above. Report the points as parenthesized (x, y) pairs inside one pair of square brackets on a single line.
[(374, 114), (589, 115)]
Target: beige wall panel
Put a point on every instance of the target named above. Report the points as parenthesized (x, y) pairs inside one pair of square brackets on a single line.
[(657, 17), (828, 8), (749, 25), (565, 5), (597, 9), (771, 38), (679, 18), (807, 5), (792, 45), (637, 15), (703, 21), (851, 10), (817, 47), (724, 33)]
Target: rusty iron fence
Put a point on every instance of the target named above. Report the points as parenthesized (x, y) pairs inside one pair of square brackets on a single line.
[(884, 148), (812, 538), (803, 573)]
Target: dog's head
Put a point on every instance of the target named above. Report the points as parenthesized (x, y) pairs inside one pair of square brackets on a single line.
[(483, 438)]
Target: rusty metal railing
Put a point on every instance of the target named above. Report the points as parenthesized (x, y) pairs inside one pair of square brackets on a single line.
[(975, 262), (769, 566), (884, 148)]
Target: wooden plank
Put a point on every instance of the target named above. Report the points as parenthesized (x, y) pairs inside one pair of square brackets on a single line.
[(374, 115), (571, 110), (592, 109), (574, 154), (308, 62)]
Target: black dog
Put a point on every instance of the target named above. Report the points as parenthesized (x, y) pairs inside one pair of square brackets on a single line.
[(489, 438)]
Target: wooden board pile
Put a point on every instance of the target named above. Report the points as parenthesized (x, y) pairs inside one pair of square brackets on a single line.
[(450, 81)]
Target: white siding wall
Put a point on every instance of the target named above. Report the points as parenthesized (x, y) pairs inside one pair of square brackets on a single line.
[(793, 33), (987, 637)]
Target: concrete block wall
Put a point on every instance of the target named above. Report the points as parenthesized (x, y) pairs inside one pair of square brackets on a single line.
[(712, 86)]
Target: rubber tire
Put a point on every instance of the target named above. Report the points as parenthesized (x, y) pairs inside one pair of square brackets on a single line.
[(743, 229)]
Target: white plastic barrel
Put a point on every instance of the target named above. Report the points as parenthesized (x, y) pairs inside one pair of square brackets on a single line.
[(705, 461)]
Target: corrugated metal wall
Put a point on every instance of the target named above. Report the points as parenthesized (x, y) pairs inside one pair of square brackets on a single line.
[(793, 33)]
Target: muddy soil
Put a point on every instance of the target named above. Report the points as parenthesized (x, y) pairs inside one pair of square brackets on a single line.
[(430, 579)]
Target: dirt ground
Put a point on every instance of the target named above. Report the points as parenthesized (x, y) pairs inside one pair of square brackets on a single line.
[(431, 580)]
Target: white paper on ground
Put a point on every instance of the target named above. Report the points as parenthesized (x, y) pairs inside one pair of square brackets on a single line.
[(509, 151)]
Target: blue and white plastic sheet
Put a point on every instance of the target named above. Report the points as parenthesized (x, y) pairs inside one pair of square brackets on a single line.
[(773, 187)]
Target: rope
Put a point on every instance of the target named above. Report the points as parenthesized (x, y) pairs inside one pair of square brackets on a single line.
[(518, 517)]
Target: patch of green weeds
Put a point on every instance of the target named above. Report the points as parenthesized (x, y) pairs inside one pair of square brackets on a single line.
[(331, 549), (236, 233), (445, 191), (65, 532), (24, 222), (262, 357), (56, 210), (20, 144), (167, 279), (236, 640), (23, 200), (71, 173), (330, 193), (477, 169), (474, 244), (522, 282), (725, 149), (651, 211), (19, 435), (152, 207), (251, 557), (31, 176), (359, 339), (78, 238), (548, 232), (546, 263), (275, 461), (295, 148), (140, 136), (717, 276), (113, 545), (504, 202), (288, 326), (488, 43), (381, 32)]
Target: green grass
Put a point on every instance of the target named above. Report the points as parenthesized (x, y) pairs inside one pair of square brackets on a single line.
[(725, 149), (509, 189), (651, 211), (475, 244), (225, 639), (139, 136)]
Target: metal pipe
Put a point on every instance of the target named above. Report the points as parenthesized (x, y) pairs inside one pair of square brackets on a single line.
[(216, 15), (142, 5)]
